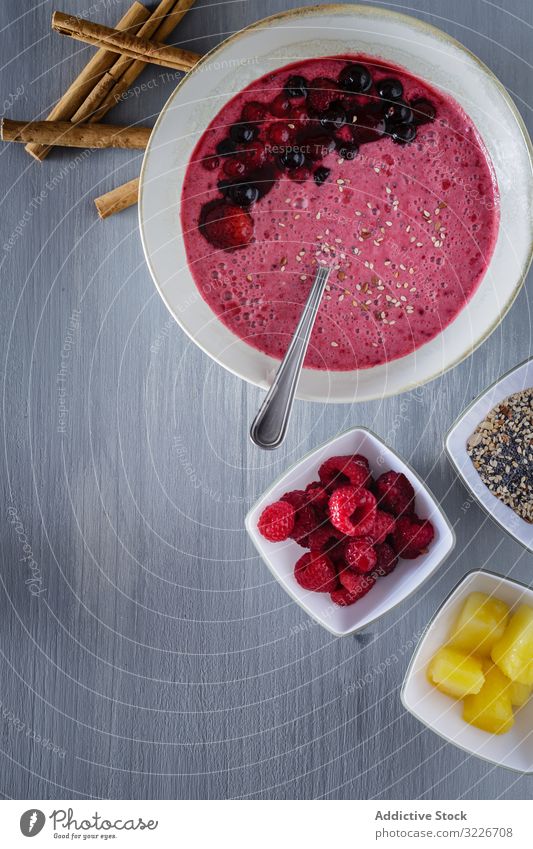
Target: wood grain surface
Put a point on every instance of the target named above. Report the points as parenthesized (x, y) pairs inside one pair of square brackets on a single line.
[(145, 651)]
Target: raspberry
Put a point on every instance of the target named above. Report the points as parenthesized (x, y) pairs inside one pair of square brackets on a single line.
[(359, 554), (255, 153), (395, 493), (412, 536), (324, 538), (352, 511), (322, 91), (276, 521), (234, 167), (387, 560), (296, 497), (353, 588), (227, 226), (383, 526), (280, 106), (317, 495), (279, 133), (253, 112), (305, 522), (316, 572), (339, 471)]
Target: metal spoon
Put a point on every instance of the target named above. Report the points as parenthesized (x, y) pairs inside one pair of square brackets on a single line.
[(270, 424)]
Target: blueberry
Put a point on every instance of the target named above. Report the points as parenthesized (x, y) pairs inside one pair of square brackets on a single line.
[(348, 150), (403, 133), (424, 112), (333, 118), (390, 89), (242, 194), (321, 175), (243, 132), (399, 113), (296, 87), (291, 159), (355, 78), (225, 147)]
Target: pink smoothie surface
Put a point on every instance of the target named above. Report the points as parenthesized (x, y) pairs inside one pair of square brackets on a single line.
[(408, 229)]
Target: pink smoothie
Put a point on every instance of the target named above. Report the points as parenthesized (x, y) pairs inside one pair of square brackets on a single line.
[(409, 229)]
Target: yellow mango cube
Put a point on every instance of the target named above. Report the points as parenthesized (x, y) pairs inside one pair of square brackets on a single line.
[(480, 624), (519, 693), (513, 653), (490, 709), (454, 673)]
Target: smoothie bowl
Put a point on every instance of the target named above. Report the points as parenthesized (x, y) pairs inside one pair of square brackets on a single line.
[(356, 138)]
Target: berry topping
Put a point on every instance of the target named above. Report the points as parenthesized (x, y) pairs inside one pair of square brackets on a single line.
[(412, 536), (355, 78), (386, 562), (316, 572), (226, 147), (296, 86), (276, 521), (370, 125), (322, 91), (319, 146), (359, 554), (383, 526), (242, 194), (234, 167), (243, 132), (280, 106), (321, 175), (339, 471), (353, 588), (226, 226), (291, 159), (352, 511), (253, 112), (254, 153), (279, 133), (403, 133), (423, 110), (389, 89), (395, 493), (398, 113), (333, 118)]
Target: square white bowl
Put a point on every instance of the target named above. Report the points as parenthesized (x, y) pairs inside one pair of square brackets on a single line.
[(389, 591), (443, 714), (521, 377)]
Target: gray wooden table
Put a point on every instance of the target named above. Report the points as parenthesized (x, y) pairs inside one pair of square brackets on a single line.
[(145, 651)]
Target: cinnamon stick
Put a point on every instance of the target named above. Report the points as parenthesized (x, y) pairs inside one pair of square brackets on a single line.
[(118, 199), (66, 134), (111, 88), (136, 47), (86, 80)]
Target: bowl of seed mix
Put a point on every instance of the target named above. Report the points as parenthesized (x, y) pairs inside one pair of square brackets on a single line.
[(491, 448)]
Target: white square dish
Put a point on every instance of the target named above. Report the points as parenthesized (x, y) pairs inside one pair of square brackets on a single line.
[(443, 714), (389, 591), (519, 378)]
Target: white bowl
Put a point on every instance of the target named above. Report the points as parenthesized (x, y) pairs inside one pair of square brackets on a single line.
[(319, 31), (443, 714), (521, 377), (389, 591)]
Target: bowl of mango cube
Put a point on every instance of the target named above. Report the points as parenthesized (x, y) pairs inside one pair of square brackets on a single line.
[(471, 677)]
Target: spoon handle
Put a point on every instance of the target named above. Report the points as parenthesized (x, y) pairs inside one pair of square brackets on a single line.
[(270, 424)]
